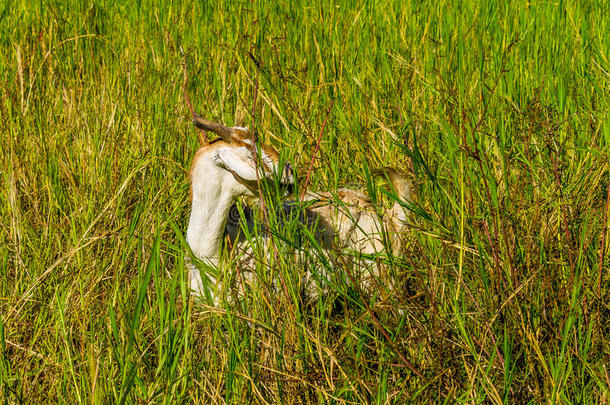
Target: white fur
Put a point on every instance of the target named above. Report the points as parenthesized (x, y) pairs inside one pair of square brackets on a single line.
[(221, 172)]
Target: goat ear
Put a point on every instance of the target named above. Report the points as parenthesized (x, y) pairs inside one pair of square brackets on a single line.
[(239, 161), (219, 129)]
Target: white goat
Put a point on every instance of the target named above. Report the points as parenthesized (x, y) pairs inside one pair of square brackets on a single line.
[(225, 169)]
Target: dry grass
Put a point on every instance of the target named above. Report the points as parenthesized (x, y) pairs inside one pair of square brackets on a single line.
[(499, 110)]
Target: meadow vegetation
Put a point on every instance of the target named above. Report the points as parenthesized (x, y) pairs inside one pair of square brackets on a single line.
[(499, 112)]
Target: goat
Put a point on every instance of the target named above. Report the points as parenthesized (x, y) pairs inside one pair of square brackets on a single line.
[(226, 169), (223, 170)]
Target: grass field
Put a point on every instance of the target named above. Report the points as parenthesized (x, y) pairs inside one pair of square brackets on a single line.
[(498, 110)]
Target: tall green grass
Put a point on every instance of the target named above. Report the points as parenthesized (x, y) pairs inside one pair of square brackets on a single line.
[(499, 110)]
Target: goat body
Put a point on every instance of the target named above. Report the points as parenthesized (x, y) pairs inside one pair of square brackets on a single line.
[(345, 220)]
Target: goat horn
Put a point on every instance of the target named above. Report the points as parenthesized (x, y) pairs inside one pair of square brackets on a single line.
[(219, 129)]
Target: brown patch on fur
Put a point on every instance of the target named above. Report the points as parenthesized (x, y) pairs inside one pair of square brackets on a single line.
[(347, 196), (271, 152), (239, 134)]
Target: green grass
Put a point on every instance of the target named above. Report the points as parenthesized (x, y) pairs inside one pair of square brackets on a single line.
[(500, 110)]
